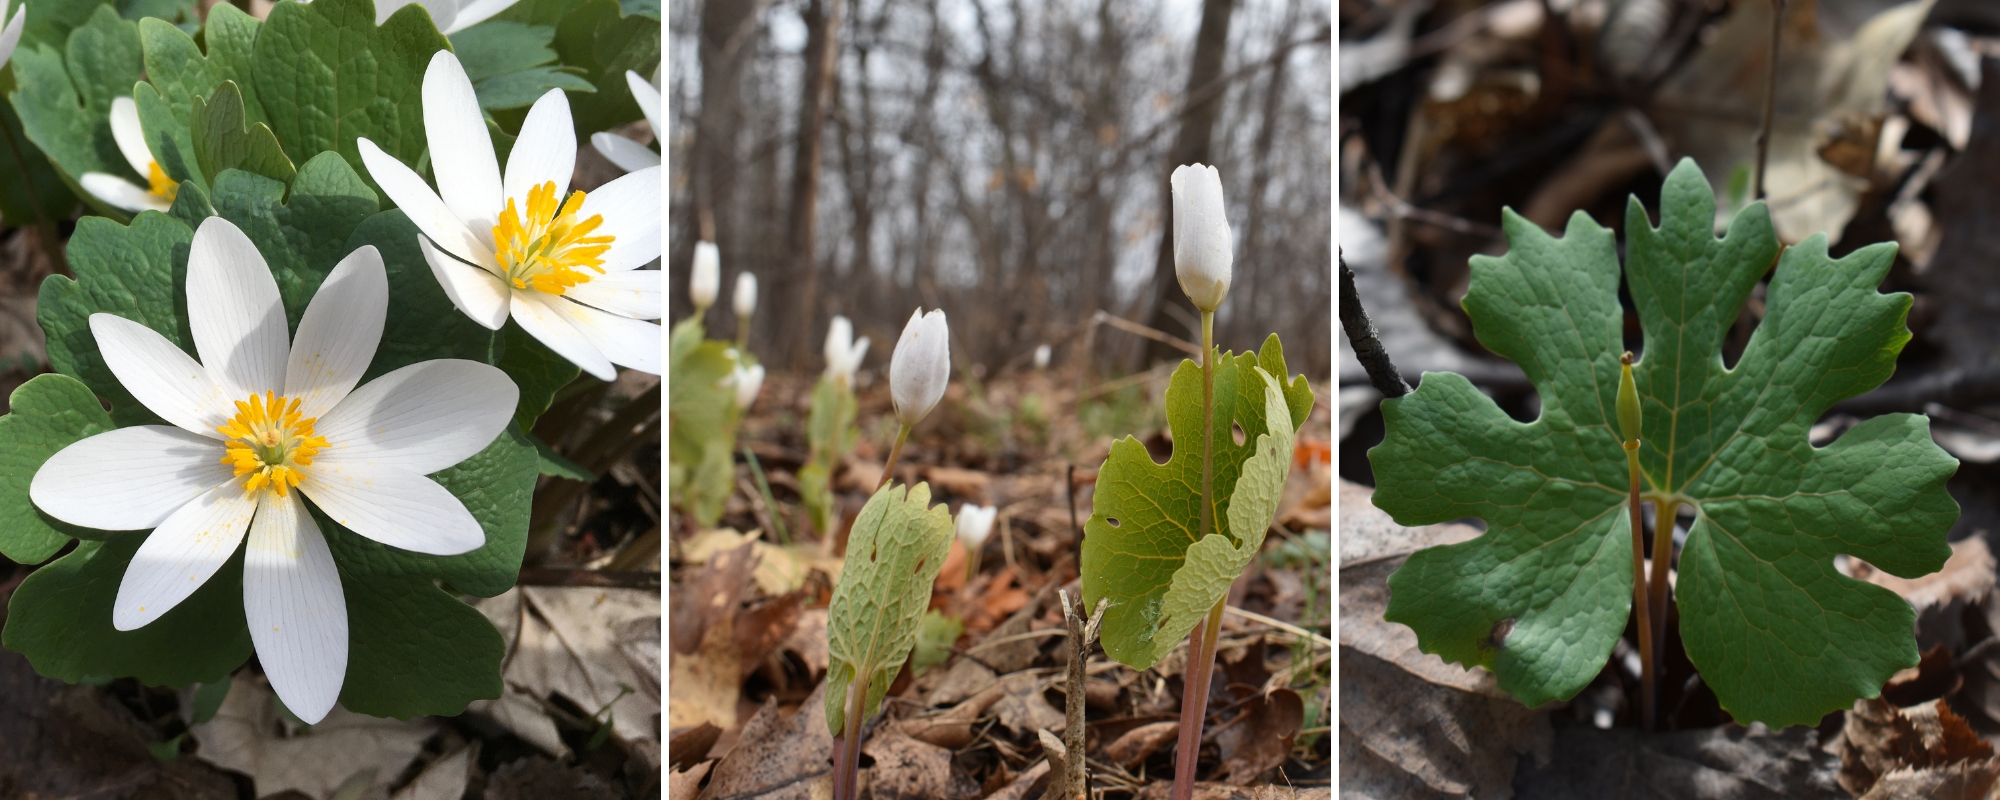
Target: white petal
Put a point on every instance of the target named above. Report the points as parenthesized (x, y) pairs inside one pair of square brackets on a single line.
[(627, 342), (165, 380), (128, 479), (180, 555), (630, 206), (422, 418), (293, 602), (121, 193), (478, 11), (393, 506), (339, 332), (634, 294), (647, 97), (468, 174), (548, 327), (546, 151), (235, 312), (475, 291), (626, 154), (11, 36), (130, 137), (422, 206)]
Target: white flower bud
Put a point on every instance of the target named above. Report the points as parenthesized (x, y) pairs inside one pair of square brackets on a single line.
[(1041, 356), (10, 34), (974, 524), (706, 278), (746, 295), (1203, 250), (921, 366), (748, 380), (843, 353)]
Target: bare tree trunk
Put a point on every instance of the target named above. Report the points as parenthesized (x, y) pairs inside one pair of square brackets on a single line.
[(821, 57), (727, 29), (1191, 146), (1260, 175)]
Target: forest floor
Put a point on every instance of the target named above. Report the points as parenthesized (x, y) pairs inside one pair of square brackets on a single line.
[(749, 613)]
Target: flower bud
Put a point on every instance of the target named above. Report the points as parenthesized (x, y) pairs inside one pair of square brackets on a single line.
[(1628, 402), (1041, 356), (746, 295), (1203, 250), (706, 278), (843, 354), (10, 34), (749, 380), (974, 524), (921, 366)]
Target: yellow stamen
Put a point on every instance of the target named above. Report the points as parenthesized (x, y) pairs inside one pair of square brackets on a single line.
[(269, 441), (161, 186), (549, 248)]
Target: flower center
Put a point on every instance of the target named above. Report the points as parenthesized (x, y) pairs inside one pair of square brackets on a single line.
[(549, 249), (159, 185), (269, 442)]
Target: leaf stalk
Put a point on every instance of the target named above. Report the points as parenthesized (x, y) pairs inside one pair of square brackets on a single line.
[(1201, 643), (847, 748), (1629, 423), (895, 452)]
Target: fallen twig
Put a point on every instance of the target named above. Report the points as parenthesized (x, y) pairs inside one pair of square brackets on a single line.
[(1367, 344)]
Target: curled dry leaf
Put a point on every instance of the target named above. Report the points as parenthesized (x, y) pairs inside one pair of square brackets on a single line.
[(952, 728), (1139, 743), (906, 769), (1022, 708), (1940, 598), (779, 755), (1923, 751), (244, 736), (1261, 739)]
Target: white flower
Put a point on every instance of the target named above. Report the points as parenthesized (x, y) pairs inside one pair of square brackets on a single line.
[(261, 414), (450, 16), (1203, 250), (10, 32), (158, 194), (921, 366), (1041, 356), (747, 380), (629, 155), (706, 277), (566, 270), (974, 524), (746, 295), (843, 353)]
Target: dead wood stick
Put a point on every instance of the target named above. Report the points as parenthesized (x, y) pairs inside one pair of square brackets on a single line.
[(1067, 777), (1366, 342)]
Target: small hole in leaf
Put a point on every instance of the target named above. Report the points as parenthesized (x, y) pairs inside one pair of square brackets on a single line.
[(872, 552), (1112, 520), (920, 567), (1236, 432)]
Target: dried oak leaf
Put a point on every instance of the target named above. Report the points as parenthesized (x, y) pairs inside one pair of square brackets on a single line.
[(778, 756), (1924, 751), (906, 769), (1262, 740)]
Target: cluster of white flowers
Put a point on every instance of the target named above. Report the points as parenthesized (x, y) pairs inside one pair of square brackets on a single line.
[(264, 419)]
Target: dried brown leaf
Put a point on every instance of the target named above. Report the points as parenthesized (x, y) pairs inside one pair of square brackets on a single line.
[(906, 769), (778, 756), (1262, 739)]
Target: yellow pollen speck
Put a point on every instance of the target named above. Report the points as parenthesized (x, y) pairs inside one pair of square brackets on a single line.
[(550, 248), (269, 441), (159, 185)]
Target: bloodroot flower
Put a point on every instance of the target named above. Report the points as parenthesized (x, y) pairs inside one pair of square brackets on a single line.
[(259, 424), (564, 265)]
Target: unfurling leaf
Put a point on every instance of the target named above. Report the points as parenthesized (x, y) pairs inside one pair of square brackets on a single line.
[(894, 552), (830, 433), (701, 410), (1543, 595), (1140, 548)]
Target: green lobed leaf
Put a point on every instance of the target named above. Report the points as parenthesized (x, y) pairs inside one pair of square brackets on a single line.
[(63, 95), (601, 40), (49, 413), (537, 370), (326, 75), (553, 463), (1146, 516), (31, 179), (1543, 595), (218, 134), (512, 64), (60, 618), (894, 551), (701, 422), (134, 272)]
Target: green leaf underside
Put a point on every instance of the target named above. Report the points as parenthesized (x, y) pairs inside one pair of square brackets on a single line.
[(830, 433), (894, 551), (415, 648), (1542, 597), (1137, 561)]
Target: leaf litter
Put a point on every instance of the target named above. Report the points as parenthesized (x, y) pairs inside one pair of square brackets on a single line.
[(973, 725)]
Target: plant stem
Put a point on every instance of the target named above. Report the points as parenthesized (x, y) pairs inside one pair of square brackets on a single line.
[(1770, 96), (742, 333), (1642, 618), (1201, 643), (847, 748), (1663, 557), (1194, 700), (895, 452)]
